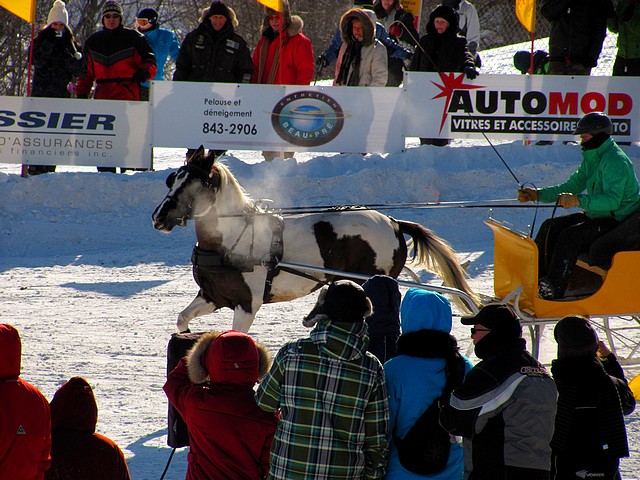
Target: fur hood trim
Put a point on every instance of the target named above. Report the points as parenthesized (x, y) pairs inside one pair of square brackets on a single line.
[(368, 24), (195, 358), (235, 362)]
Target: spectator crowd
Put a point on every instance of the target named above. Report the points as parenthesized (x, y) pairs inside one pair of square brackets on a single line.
[(374, 44), (327, 406)]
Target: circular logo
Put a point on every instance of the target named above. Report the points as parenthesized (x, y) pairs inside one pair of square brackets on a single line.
[(307, 119)]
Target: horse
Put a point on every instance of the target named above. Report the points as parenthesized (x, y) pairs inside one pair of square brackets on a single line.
[(240, 242)]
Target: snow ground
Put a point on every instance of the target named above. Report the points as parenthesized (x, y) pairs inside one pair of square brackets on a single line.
[(95, 291)]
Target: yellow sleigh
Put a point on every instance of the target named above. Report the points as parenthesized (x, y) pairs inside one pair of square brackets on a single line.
[(593, 292)]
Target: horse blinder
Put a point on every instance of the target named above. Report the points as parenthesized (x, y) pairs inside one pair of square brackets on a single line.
[(171, 178)]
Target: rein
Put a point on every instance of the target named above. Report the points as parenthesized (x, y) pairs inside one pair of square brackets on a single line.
[(286, 211)]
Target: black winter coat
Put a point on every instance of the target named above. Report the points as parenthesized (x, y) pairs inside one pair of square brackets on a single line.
[(504, 409), (54, 63), (578, 29), (113, 57), (209, 56), (589, 431), (441, 53)]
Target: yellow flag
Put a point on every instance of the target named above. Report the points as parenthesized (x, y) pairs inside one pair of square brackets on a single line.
[(25, 9), (272, 4), (526, 13)]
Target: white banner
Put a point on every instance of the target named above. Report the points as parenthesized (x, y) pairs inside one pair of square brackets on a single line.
[(517, 106), (278, 117), (59, 131)]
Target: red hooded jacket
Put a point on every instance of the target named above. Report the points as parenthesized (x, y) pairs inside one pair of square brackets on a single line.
[(229, 435), (78, 452), (25, 422)]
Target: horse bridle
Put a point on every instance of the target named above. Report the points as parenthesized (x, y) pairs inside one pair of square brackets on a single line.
[(205, 178)]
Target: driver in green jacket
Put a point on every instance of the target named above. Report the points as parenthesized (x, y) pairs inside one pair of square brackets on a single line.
[(605, 187)]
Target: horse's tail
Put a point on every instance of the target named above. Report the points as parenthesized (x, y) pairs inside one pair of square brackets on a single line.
[(437, 256)]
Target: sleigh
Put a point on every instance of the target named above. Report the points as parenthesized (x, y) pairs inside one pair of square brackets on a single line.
[(610, 296)]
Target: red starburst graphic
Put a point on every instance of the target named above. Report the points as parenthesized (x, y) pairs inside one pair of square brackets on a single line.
[(451, 83)]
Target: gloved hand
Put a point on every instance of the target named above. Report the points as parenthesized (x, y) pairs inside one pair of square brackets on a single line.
[(470, 73), (321, 61), (527, 195), (395, 30), (568, 200), (140, 75)]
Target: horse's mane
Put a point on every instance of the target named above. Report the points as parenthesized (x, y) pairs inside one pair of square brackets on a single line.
[(228, 183), (221, 178)]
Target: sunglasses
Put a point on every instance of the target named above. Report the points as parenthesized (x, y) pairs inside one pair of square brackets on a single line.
[(142, 22), (475, 330), (108, 16)]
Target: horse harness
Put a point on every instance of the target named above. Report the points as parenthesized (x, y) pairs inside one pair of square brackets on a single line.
[(219, 261)]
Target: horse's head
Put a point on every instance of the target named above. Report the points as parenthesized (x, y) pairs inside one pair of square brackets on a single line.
[(186, 186)]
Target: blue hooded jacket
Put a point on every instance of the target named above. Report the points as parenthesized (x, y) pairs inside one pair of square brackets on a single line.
[(414, 383)]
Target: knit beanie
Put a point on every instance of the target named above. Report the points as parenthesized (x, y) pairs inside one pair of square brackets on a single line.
[(341, 301), (575, 337), (58, 13), (112, 7), (219, 8)]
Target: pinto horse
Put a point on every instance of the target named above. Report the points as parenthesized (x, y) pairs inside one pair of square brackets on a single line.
[(240, 243)]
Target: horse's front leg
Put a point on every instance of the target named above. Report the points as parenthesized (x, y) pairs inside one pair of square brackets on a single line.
[(198, 307), (242, 320)]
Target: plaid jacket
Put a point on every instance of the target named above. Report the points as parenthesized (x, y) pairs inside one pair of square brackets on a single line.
[(333, 402)]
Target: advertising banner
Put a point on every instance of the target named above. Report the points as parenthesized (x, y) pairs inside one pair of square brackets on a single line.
[(278, 117), (62, 131), (544, 107)]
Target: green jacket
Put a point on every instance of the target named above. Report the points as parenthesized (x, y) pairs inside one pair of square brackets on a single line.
[(627, 26), (332, 398), (611, 185)]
